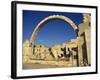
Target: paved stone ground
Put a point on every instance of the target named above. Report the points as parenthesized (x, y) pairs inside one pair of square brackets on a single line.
[(38, 64)]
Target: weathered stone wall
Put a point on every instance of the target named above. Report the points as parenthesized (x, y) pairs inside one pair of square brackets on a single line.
[(26, 51), (85, 28)]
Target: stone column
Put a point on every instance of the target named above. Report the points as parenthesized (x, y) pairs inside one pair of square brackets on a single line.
[(84, 28), (74, 60), (80, 53), (88, 45), (87, 21)]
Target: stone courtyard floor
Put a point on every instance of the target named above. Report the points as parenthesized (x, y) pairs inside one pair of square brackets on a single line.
[(36, 64)]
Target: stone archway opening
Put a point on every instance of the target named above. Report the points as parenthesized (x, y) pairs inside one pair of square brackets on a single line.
[(54, 32), (40, 25), (55, 50)]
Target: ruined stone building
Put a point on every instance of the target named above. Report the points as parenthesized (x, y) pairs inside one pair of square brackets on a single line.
[(77, 51)]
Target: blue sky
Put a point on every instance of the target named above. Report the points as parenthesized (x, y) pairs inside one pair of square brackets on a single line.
[(54, 32)]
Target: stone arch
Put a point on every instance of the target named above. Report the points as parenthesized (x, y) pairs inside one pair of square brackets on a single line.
[(40, 25)]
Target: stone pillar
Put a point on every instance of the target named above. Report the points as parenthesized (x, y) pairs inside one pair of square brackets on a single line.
[(88, 45), (84, 28), (74, 60), (71, 60), (71, 57), (80, 55), (87, 21)]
